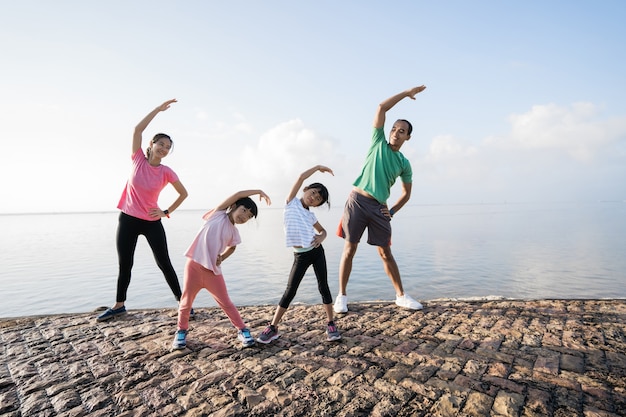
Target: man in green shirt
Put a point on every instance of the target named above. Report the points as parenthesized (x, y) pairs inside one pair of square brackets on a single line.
[(367, 204)]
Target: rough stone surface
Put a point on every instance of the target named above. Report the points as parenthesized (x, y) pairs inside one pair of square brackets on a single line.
[(454, 358)]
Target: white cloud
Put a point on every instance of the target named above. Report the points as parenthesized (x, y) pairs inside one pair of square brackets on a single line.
[(450, 160), (201, 114), (285, 151), (576, 131), (551, 151), (444, 147)]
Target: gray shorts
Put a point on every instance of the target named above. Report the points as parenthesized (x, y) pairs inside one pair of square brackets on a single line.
[(363, 212)]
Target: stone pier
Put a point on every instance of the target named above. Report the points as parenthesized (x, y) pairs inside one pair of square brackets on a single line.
[(454, 358)]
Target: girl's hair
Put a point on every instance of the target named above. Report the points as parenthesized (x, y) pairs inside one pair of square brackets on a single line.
[(247, 203), (156, 138), (321, 188), (410, 129)]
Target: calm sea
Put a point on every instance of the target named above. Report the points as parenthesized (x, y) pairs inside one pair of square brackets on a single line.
[(64, 263)]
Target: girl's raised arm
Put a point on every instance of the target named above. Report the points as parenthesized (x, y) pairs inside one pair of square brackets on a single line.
[(241, 194), (146, 121), (306, 174)]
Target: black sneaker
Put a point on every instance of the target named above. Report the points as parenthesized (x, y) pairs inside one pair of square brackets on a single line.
[(110, 313), (270, 333), (332, 333)]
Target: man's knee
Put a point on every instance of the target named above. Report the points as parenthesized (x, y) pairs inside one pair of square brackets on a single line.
[(385, 253), (349, 250)]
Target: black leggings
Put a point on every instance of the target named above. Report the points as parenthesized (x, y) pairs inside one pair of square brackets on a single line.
[(301, 262), (128, 231)]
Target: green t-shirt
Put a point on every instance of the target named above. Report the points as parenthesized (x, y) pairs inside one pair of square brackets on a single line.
[(382, 167)]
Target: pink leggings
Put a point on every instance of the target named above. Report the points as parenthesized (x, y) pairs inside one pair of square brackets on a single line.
[(196, 278)]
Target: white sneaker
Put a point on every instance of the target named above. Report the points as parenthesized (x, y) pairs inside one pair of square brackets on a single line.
[(341, 304), (407, 301)]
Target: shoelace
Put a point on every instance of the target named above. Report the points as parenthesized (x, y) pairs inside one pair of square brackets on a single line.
[(246, 333), (332, 329), (268, 330)]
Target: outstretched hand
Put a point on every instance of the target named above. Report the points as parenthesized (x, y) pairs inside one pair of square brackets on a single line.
[(413, 91), (166, 105), (322, 168), (263, 196)]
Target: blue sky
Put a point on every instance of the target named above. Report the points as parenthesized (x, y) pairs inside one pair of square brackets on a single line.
[(525, 101)]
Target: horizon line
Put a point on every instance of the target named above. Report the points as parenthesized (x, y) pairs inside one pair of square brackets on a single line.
[(505, 202)]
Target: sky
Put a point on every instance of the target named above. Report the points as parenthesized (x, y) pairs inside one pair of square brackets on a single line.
[(525, 101)]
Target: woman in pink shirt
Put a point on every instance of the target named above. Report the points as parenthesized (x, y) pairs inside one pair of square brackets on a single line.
[(140, 213)]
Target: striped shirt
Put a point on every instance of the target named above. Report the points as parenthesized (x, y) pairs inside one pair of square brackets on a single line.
[(298, 224)]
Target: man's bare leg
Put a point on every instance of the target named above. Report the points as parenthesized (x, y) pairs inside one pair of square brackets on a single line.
[(345, 265), (345, 268), (391, 268)]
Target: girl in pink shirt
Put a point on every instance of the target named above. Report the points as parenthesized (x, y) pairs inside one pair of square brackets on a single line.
[(140, 213), (213, 244)]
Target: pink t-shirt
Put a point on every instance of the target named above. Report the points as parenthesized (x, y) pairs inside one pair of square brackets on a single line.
[(144, 186), (215, 235)]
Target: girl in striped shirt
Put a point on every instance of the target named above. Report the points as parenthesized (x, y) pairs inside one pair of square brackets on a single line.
[(305, 235)]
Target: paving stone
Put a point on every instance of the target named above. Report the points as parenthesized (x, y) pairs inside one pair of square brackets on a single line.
[(537, 403), (478, 404), (458, 358), (572, 363), (447, 406), (507, 404)]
